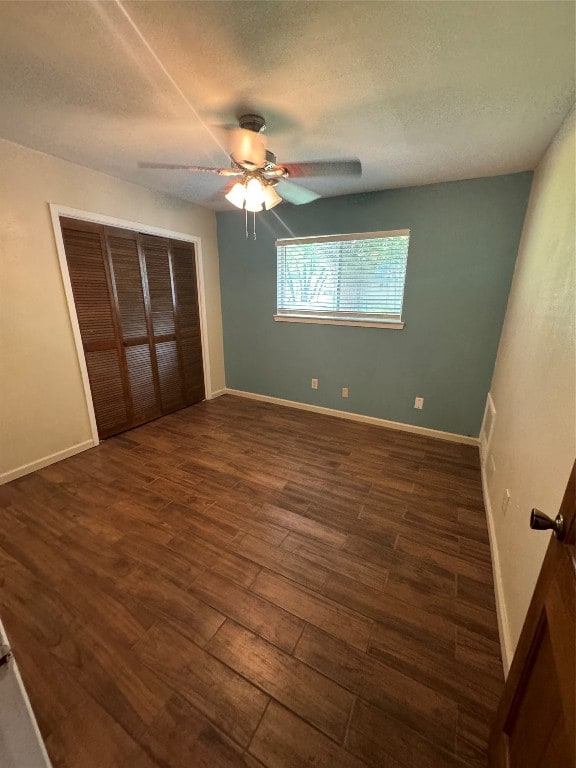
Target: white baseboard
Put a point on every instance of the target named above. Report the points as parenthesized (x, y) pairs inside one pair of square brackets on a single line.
[(450, 436), (216, 393), (487, 428), (25, 469), (501, 612)]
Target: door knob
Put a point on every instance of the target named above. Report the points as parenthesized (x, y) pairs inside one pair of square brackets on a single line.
[(541, 522)]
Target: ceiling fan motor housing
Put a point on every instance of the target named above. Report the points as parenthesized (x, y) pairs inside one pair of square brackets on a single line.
[(248, 148), (255, 123)]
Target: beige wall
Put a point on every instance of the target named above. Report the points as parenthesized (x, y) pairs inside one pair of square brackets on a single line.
[(42, 405), (533, 388)]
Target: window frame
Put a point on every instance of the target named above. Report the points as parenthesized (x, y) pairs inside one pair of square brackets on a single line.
[(342, 318)]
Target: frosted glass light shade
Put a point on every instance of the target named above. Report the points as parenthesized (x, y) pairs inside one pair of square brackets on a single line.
[(237, 195), (271, 197), (254, 195)]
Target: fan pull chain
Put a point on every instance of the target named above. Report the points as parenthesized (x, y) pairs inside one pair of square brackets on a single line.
[(253, 224)]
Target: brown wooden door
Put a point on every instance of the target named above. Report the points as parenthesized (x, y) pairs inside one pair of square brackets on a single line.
[(130, 299), (137, 305), (88, 267), (535, 723), (161, 294), (188, 319)]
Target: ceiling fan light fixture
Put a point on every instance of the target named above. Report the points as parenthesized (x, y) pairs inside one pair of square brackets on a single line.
[(237, 194), (257, 171), (271, 197), (253, 195)]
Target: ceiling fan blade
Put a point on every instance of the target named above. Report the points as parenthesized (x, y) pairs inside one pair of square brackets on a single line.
[(200, 168), (295, 194), (352, 167)]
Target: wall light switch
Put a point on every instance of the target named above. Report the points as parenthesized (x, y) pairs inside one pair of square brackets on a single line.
[(344, 391), (314, 384), (505, 500), (419, 403)]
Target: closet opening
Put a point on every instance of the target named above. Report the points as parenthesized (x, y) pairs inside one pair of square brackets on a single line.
[(137, 303)]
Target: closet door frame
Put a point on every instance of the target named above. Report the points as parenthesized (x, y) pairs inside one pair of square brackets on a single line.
[(56, 211)]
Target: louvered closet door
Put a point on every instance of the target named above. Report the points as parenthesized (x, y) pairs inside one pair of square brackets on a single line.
[(134, 324), (188, 319), (87, 264), (137, 306), (158, 266)]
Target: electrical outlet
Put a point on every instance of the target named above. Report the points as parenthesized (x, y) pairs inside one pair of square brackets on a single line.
[(505, 501), (314, 384), (344, 391), (419, 403)]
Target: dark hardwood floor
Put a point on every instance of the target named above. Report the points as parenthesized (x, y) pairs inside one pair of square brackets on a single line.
[(242, 584)]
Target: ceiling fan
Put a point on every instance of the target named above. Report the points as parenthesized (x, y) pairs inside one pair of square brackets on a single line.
[(259, 182)]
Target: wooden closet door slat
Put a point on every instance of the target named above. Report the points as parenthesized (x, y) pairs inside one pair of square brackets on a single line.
[(135, 324), (128, 282), (156, 254), (188, 319), (140, 373), (170, 377), (107, 391), (157, 258), (86, 257), (89, 285)]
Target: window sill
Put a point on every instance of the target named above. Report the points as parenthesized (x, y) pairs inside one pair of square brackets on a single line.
[(395, 326)]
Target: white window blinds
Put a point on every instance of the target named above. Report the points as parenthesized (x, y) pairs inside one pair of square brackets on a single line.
[(354, 277)]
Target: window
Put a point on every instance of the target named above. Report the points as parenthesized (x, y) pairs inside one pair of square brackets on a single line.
[(343, 279)]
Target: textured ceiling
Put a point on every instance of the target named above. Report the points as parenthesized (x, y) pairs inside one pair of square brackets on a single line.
[(419, 91)]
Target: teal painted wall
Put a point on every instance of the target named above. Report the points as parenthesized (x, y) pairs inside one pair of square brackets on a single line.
[(463, 245)]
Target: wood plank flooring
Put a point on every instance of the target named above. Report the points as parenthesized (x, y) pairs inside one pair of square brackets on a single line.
[(242, 584)]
